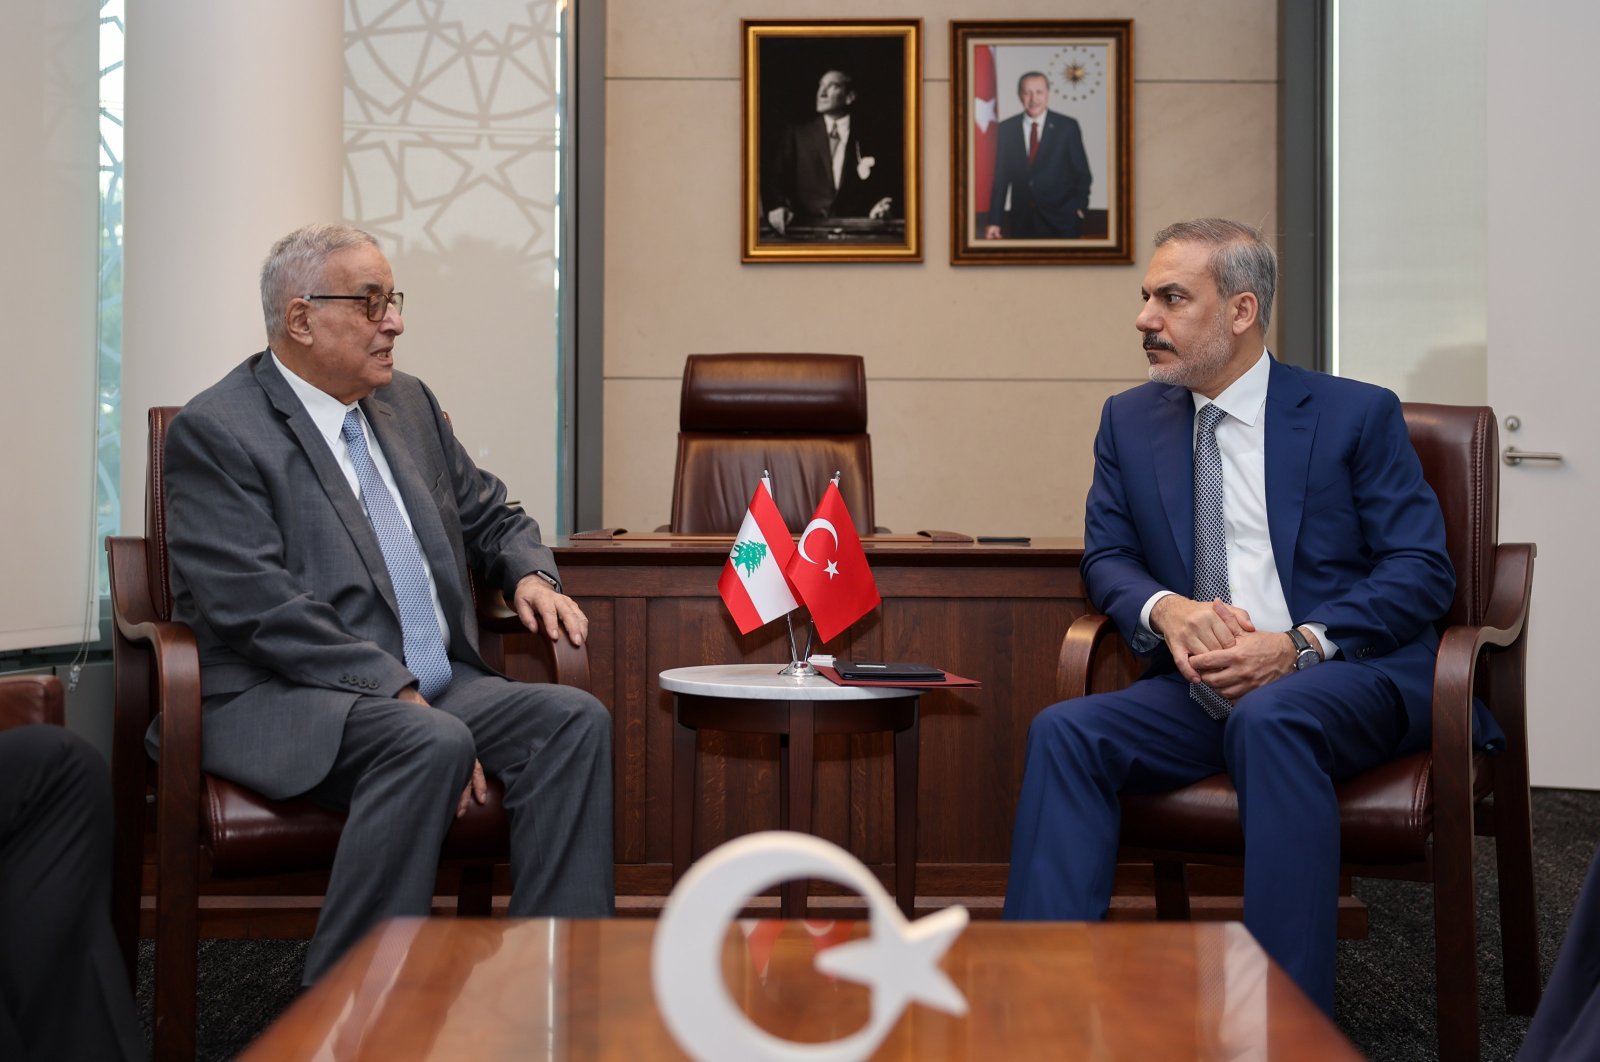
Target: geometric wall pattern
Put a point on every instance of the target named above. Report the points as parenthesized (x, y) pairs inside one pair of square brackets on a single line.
[(452, 121), (453, 141)]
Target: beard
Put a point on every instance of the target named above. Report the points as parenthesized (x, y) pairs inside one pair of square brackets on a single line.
[(1203, 362)]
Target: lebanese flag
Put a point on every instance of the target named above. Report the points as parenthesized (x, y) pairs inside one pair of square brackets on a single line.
[(752, 583), (984, 115), (829, 569)]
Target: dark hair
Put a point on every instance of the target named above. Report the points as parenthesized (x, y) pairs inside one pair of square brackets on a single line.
[(1032, 73)]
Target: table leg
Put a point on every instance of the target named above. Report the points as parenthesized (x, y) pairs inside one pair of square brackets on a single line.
[(906, 749), (683, 769), (801, 771)]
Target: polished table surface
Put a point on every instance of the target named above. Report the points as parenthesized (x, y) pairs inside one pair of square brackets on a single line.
[(486, 989), (762, 682)]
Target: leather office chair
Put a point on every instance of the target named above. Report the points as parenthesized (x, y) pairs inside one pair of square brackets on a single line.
[(801, 416), (207, 829), (26, 700), (1413, 818)]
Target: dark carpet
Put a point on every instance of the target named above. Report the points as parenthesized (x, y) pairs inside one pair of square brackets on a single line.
[(1385, 988)]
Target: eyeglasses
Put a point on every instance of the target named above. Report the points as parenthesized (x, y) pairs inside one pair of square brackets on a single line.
[(377, 303)]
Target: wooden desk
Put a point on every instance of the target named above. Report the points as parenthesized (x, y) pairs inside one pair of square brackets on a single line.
[(995, 613), (489, 989)]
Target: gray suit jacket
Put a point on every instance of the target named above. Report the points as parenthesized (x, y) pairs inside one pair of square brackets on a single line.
[(277, 569)]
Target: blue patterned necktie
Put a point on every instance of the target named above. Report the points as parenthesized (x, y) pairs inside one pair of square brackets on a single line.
[(419, 623), (1210, 543)]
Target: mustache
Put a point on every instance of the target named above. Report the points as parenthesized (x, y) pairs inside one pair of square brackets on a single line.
[(1154, 342)]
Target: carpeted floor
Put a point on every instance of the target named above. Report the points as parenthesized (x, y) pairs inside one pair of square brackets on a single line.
[(1385, 990)]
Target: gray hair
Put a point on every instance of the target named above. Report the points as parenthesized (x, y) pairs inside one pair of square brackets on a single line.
[(1241, 260), (1032, 73), (296, 266)]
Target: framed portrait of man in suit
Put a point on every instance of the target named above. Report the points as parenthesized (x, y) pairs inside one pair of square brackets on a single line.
[(832, 157), (1041, 142)]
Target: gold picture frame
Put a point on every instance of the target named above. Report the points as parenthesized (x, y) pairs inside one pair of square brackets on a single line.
[(1058, 191), (832, 120)]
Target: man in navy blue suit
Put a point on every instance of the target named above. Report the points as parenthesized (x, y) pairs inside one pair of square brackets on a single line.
[(1309, 659), (1039, 159)]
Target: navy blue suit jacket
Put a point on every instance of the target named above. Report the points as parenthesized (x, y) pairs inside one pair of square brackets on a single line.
[(1357, 535), (1046, 196)]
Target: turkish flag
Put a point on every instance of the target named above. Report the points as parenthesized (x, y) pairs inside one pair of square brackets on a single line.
[(828, 569), (984, 117)]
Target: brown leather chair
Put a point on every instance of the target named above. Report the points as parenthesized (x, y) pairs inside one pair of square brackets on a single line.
[(208, 830), (26, 700), (1413, 818), (801, 416)]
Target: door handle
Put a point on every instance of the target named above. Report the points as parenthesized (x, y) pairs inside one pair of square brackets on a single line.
[(1513, 456)]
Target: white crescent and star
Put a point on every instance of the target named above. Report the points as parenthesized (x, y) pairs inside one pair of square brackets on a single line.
[(820, 524), (899, 961)]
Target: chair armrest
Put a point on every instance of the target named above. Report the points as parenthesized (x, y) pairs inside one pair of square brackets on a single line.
[(524, 655), (1455, 674), (26, 700), (1094, 658)]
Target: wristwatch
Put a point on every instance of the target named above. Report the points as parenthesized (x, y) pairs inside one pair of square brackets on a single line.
[(1305, 654), (549, 580)]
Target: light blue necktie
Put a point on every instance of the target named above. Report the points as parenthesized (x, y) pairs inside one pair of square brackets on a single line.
[(419, 623), (1210, 543)]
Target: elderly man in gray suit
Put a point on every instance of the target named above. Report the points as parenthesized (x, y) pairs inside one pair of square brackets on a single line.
[(322, 517)]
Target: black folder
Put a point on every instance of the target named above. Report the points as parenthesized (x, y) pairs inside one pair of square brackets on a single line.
[(886, 671)]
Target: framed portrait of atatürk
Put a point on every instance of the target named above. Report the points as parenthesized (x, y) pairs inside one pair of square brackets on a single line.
[(1041, 142), (832, 141)]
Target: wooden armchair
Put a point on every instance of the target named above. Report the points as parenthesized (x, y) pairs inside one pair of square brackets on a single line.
[(1415, 817), (207, 829)]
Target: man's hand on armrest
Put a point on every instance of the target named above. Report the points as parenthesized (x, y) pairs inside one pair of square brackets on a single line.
[(542, 608)]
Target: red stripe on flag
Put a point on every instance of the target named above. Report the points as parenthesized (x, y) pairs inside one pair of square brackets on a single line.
[(773, 529), (737, 598)]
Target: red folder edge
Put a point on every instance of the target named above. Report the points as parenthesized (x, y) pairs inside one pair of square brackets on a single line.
[(950, 681)]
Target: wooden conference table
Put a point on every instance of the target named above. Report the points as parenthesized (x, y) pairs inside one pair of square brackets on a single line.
[(996, 613), (489, 989)]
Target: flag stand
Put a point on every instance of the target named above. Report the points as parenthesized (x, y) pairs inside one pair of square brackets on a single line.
[(800, 663)]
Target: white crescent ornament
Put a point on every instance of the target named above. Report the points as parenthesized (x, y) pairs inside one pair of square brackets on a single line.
[(899, 961)]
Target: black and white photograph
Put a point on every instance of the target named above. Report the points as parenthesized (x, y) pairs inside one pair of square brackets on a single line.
[(832, 113)]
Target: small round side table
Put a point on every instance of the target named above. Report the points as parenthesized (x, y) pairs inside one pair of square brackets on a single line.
[(755, 699)]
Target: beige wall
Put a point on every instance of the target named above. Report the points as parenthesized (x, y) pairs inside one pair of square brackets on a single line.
[(979, 423)]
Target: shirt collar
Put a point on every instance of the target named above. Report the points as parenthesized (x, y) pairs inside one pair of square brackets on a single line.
[(842, 124), (326, 411), (1244, 397)]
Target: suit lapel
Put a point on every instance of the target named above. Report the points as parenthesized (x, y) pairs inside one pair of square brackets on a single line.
[(817, 133), (1291, 429), (334, 484), (1172, 447)]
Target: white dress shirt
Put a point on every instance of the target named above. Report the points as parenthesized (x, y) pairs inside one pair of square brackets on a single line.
[(1253, 581), (328, 414), (1027, 129)]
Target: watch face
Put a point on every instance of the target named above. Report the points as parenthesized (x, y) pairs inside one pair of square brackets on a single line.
[(1305, 658)]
